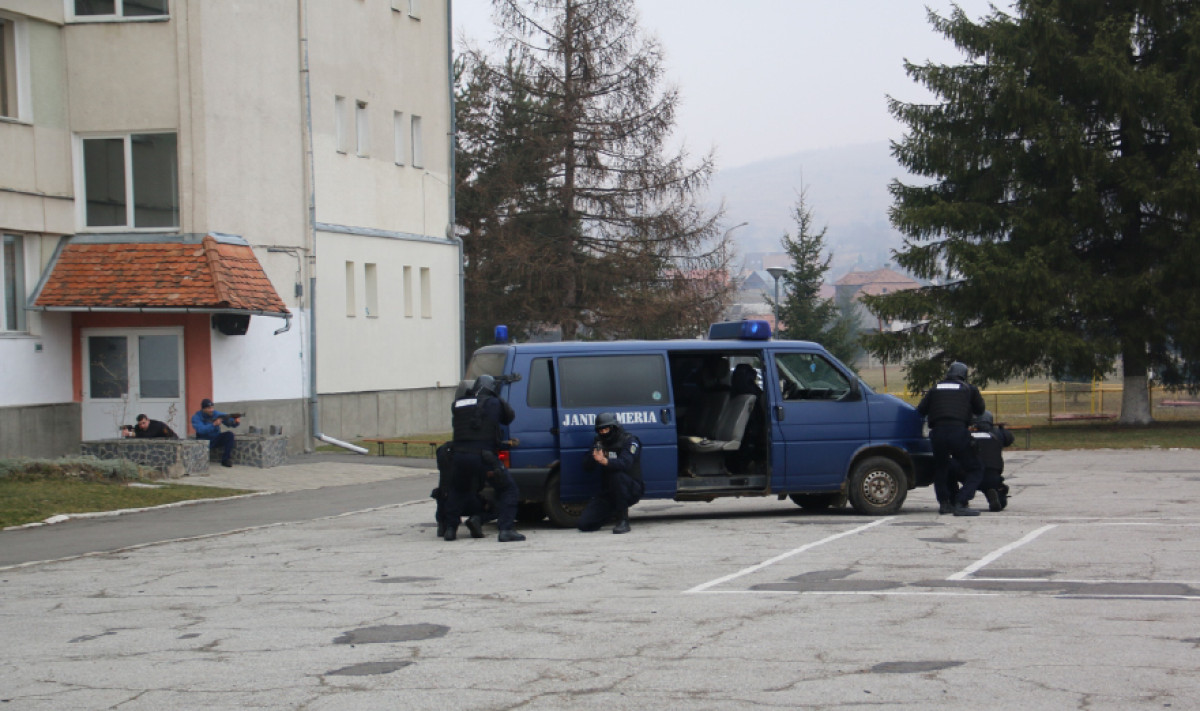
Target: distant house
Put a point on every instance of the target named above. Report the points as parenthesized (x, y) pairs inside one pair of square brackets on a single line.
[(248, 201), (880, 281)]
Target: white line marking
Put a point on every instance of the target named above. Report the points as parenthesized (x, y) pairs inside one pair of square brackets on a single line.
[(746, 571), (1124, 581), (989, 558)]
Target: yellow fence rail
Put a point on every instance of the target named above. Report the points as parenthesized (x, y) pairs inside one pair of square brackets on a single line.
[(1063, 401)]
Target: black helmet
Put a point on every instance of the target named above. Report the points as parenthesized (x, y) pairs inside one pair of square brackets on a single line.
[(985, 421), (958, 371), (608, 419), (485, 385)]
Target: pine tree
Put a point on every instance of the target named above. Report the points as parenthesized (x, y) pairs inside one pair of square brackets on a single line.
[(1060, 228), (804, 314), (605, 231)]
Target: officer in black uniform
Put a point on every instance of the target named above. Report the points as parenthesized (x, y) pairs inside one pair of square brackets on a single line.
[(477, 420), (949, 407), (619, 456), (991, 439)]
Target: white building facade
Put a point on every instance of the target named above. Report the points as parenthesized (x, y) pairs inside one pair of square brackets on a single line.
[(202, 143)]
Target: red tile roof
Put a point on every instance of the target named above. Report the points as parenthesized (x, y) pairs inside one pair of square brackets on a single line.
[(170, 275), (878, 276)]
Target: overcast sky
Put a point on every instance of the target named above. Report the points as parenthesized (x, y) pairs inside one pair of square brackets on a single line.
[(766, 78)]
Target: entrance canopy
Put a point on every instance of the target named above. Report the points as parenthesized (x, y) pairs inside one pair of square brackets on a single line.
[(205, 273)]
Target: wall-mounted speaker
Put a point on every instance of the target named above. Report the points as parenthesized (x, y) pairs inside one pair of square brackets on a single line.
[(231, 324)]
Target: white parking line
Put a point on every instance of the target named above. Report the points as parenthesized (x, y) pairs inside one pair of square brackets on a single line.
[(808, 546), (990, 557)]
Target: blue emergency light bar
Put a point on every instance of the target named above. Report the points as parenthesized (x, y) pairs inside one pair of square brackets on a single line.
[(748, 330), (500, 334)]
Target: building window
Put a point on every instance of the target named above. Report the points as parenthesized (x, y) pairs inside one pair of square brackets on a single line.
[(119, 9), (341, 124), (131, 181), (351, 308), (371, 285), (426, 294), (408, 295), (363, 130), (418, 157), (398, 135), (12, 283), (14, 67)]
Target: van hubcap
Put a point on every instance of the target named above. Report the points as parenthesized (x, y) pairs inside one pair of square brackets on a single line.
[(879, 488)]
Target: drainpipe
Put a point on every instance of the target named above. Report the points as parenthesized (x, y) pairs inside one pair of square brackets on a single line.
[(450, 229), (311, 199)]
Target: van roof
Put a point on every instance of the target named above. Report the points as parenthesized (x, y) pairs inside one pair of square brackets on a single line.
[(576, 347)]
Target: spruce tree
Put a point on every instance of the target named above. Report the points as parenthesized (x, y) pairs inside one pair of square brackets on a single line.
[(1059, 228), (804, 314), (607, 233)]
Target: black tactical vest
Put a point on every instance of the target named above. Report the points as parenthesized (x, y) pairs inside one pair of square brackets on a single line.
[(471, 423), (950, 400)]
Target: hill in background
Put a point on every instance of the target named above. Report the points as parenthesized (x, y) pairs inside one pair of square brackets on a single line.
[(847, 191)]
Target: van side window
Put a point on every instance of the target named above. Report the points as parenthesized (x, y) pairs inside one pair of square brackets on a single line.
[(809, 376), (613, 381), (485, 364), (539, 394)]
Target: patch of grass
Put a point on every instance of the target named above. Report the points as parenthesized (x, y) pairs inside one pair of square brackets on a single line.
[(1164, 435), (33, 490)]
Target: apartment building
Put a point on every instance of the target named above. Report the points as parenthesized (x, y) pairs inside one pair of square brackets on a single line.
[(248, 201)]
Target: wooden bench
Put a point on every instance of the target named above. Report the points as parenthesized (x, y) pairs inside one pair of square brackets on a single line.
[(1179, 403), (382, 443), (1069, 417), (1027, 429)]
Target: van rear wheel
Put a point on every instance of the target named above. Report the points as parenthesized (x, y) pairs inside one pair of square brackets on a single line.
[(561, 514), (878, 487)]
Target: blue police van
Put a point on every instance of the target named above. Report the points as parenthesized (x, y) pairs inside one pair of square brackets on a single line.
[(736, 414)]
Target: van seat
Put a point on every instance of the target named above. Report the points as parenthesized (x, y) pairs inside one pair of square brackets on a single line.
[(731, 426)]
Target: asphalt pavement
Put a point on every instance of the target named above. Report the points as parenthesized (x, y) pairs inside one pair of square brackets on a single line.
[(1084, 593)]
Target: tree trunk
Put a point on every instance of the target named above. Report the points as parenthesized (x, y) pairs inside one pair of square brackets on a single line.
[(1135, 397)]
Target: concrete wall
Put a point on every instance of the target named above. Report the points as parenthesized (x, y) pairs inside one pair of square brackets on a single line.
[(40, 431), (386, 414)]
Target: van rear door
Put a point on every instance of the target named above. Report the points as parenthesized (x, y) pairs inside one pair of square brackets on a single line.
[(819, 420), (636, 388)]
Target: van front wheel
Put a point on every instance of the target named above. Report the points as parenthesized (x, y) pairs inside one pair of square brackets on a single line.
[(561, 514), (878, 487)]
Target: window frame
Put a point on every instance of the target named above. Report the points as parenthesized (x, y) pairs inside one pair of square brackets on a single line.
[(118, 14), (416, 151), (20, 288), (16, 52), (81, 197), (362, 130)]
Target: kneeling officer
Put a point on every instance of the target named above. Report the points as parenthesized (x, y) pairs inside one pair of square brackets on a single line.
[(477, 420), (619, 456)]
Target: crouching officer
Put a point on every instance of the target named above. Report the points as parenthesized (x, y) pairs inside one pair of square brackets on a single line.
[(619, 456), (949, 407), (477, 420), (991, 439)]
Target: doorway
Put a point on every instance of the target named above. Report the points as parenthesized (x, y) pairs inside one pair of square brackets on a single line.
[(128, 371)]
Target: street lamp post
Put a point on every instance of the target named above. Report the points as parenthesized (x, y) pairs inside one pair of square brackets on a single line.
[(777, 272)]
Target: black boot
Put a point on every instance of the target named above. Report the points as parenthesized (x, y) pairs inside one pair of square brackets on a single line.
[(993, 499), (451, 532), (945, 507), (622, 526), (441, 529), (510, 535), (475, 526), (964, 510)]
